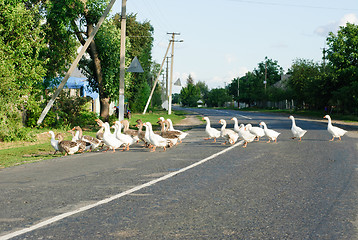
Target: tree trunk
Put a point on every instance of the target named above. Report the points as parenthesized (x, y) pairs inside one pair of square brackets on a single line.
[(104, 103), (97, 69), (104, 100)]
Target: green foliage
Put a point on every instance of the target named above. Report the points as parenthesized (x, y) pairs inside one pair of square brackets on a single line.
[(108, 47), (67, 111), (60, 17), (21, 69), (217, 97), (343, 57), (204, 90), (176, 98), (190, 94), (141, 98)]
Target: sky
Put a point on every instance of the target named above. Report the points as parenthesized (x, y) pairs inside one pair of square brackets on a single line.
[(225, 39)]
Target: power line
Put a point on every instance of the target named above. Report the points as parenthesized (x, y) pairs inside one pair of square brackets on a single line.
[(293, 5)]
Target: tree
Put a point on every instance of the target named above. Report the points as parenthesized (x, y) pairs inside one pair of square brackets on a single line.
[(342, 54), (218, 97), (190, 94), (306, 82), (204, 90), (71, 20), (21, 68), (107, 42), (252, 87)]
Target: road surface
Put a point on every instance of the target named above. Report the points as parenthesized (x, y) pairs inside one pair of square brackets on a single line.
[(196, 190)]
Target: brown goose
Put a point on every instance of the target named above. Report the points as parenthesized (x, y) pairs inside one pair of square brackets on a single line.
[(131, 132), (99, 134), (141, 133), (83, 146), (91, 140), (68, 147), (171, 136)]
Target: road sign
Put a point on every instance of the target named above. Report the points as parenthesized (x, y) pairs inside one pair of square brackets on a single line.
[(135, 66), (177, 82)]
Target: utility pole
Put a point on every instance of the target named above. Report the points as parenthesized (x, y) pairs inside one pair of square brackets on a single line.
[(75, 63), (265, 75), (238, 91), (171, 72), (166, 80), (324, 57), (122, 62), (156, 80)]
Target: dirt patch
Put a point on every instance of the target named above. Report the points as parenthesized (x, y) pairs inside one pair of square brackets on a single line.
[(191, 120)]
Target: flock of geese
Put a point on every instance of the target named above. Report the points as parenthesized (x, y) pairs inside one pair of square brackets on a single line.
[(168, 136), (249, 133)]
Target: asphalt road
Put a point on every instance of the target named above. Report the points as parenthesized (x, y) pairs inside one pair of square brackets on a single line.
[(288, 190)]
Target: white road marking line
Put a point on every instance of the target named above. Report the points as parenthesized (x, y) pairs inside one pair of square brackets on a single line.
[(229, 113), (107, 200), (245, 117)]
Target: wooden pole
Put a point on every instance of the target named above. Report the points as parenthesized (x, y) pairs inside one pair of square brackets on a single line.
[(156, 80), (122, 70)]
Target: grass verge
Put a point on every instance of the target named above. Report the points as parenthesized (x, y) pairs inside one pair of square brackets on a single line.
[(17, 153)]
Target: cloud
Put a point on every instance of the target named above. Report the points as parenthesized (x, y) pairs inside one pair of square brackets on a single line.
[(230, 58), (334, 26), (348, 18)]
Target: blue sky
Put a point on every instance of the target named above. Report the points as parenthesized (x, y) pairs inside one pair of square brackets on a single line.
[(224, 39)]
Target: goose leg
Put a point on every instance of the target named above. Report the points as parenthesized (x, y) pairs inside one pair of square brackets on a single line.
[(332, 139), (245, 145), (214, 140), (339, 138)]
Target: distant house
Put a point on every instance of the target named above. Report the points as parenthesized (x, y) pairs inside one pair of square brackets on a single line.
[(200, 103)]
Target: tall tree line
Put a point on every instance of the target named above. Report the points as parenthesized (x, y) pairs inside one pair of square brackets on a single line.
[(331, 84)]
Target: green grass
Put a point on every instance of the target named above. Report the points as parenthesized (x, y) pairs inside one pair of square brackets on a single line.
[(26, 154), (20, 152)]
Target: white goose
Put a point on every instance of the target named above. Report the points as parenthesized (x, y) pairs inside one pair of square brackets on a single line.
[(228, 134), (257, 131), (335, 131), (155, 139), (126, 139), (83, 146), (296, 131), (212, 132), (236, 125), (54, 142), (246, 135), (271, 134), (94, 142), (110, 139)]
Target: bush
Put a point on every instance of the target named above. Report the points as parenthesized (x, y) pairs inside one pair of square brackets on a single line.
[(67, 111)]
